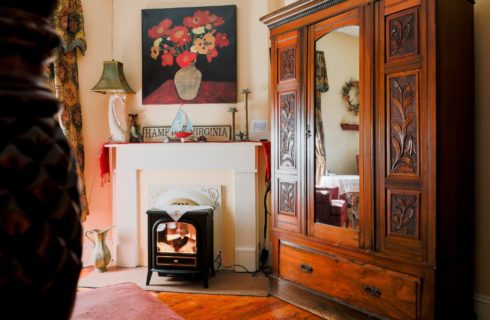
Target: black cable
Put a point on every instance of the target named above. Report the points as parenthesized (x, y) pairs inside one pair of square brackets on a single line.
[(267, 190), (220, 266)]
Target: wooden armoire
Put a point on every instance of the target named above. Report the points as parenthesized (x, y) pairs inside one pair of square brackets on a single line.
[(401, 243)]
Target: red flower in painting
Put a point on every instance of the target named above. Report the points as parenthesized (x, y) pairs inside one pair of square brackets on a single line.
[(222, 40), (186, 58), (180, 35), (167, 59), (183, 43), (200, 18), (160, 29), (211, 54), (216, 21)]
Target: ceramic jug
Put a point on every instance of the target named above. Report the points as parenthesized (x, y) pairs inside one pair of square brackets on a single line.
[(101, 256)]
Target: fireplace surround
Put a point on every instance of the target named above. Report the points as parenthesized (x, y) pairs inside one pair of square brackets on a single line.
[(133, 167), (182, 247)]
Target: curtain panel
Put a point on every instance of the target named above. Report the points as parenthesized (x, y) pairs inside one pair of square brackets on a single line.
[(69, 24), (321, 85)]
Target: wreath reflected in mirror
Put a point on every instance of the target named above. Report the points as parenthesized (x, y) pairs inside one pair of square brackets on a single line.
[(350, 94)]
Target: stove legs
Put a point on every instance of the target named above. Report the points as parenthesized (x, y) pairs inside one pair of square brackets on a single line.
[(148, 277)]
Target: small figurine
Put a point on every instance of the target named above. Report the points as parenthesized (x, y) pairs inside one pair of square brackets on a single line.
[(241, 135), (134, 128), (202, 139)]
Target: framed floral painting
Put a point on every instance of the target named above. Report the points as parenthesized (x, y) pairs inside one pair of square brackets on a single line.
[(189, 55)]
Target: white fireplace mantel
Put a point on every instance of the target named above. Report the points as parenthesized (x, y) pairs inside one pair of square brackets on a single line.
[(239, 158)]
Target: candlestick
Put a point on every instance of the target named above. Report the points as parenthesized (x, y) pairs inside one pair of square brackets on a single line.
[(246, 92)]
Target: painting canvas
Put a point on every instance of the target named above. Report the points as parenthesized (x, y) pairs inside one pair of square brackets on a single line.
[(189, 55)]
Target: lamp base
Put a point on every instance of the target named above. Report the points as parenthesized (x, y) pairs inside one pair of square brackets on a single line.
[(117, 119)]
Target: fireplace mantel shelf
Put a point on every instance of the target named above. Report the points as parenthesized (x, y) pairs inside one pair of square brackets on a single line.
[(240, 158)]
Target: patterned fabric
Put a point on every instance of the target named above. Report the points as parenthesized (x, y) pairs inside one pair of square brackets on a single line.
[(68, 22), (321, 77), (321, 85)]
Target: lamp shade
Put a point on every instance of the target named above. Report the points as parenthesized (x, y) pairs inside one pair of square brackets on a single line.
[(112, 79)]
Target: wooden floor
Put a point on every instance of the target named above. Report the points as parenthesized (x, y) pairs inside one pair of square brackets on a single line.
[(222, 307), (200, 306)]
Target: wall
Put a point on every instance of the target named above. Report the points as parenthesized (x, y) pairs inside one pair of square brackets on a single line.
[(251, 46), (482, 223), (113, 31), (98, 31), (342, 59)]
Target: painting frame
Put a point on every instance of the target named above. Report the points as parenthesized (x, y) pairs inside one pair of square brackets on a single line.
[(178, 41)]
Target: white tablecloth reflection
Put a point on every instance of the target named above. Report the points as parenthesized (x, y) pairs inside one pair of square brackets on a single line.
[(346, 183)]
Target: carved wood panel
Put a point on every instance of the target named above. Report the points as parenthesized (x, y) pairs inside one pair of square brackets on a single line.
[(403, 124), (403, 213), (287, 64), (287, 130), (402, 34), (287, 198)]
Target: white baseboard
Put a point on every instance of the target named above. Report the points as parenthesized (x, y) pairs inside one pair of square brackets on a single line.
[(482, 307)]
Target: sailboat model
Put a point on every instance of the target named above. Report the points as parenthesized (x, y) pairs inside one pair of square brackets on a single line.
[(181, 126)]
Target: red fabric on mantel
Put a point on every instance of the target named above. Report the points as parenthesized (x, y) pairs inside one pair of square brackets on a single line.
[(267, 149), (209, 92), (104, 165)]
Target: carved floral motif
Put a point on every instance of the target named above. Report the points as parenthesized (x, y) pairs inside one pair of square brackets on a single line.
[(403, 124), (287, 65), (403, 36), (403, 214), (287, 129), (287, 197)]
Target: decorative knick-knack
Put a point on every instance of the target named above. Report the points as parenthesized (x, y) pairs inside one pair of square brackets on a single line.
[(101, 255), (134, 128)]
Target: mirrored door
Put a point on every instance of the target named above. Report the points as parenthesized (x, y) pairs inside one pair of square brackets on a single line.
[(337, 128), (336, 104)]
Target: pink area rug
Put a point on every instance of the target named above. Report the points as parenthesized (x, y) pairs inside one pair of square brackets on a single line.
[(125, 301)]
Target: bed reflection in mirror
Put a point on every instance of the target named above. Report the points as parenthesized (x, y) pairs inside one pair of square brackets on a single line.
[(337, 149)]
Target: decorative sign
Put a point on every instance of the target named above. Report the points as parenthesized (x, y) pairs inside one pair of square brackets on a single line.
[(212, 133), (259, 125)]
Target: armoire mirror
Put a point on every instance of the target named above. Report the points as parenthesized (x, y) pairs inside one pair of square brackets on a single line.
[(337, 127)]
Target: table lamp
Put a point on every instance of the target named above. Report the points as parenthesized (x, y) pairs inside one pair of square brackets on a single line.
[(113, 81)]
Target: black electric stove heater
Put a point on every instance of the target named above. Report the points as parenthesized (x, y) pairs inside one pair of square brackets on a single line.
[(183, 247)]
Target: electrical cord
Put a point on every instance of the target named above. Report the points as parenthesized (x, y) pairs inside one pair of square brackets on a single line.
[(220, 266), (263, 252)]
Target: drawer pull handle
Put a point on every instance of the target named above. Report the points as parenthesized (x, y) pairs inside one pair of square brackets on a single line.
[(375, 292), (306, 268)]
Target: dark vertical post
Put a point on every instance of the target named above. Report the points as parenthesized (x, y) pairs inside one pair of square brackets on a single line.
[(40, 230)]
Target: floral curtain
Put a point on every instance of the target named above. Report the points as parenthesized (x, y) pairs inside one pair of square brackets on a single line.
[(68, 22), (321, 85)]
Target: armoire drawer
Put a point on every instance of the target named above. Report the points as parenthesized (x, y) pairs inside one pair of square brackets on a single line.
[(385, 292)]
